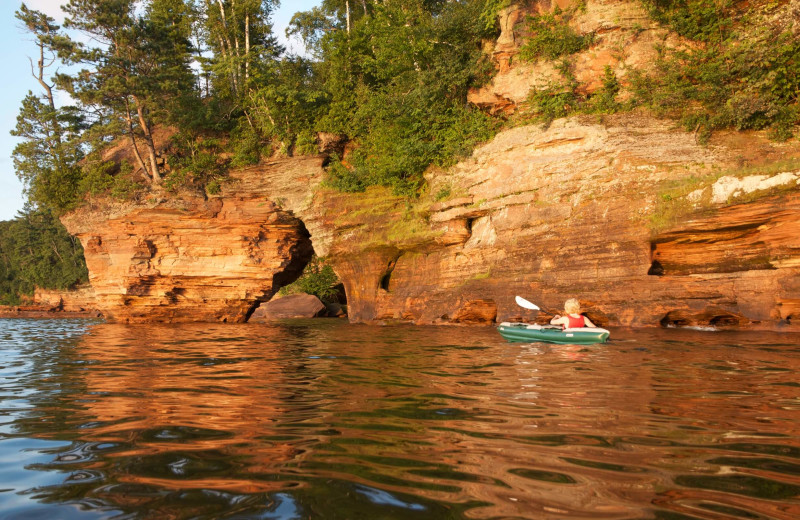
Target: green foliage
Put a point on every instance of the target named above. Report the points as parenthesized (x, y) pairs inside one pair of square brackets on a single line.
[(341, 178), (36, 251), (46, 160), (97, 176), (397, 85), (125, 187), (604, 101), (552, 37), (558, 98), (247, 146), (491, 11), (285, 101), (741, 72), (695, 19), (196, 163), (443, 193), (305, 144), (318, 279)]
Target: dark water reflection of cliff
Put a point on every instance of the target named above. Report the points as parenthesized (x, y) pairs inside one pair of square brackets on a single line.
[(328, 420)]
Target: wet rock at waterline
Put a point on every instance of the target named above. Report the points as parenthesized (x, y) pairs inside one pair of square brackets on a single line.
[(291, 306)]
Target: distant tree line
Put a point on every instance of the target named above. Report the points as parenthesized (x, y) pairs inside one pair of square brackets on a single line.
[(36, 251)]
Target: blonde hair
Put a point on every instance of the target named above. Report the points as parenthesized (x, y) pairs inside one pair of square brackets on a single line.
[(572, 306)]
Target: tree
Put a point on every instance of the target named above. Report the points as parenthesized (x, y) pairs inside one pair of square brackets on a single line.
[(397, 76), (36, 251), (239, 34), (139, 61), (46, 160)]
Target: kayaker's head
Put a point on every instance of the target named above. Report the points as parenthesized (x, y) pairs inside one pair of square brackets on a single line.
[(572, 306)]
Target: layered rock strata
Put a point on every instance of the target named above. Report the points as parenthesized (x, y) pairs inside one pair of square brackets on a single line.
[(545, 213), (192, 258), (566, 211)]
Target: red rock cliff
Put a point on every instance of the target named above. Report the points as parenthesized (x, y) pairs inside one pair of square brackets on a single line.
[(192, 259), (547, 213), (544, 213)]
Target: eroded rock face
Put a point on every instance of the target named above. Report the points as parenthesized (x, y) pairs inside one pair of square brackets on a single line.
[(192, 259), (79, 299), (546, 213), (565, 212), (625, 39)]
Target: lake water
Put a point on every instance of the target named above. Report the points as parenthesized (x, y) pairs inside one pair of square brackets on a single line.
[(322, 419)]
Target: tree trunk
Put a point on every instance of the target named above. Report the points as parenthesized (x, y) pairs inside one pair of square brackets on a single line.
[(148, 140), (246, 47), (129, 121), (227, 37), (48, 90), (236, 39)]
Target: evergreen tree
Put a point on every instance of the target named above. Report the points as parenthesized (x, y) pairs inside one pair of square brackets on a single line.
[(46, 160), (36, 251), (140, 60)]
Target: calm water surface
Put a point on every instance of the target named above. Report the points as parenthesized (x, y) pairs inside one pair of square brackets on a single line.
[(328, 420)]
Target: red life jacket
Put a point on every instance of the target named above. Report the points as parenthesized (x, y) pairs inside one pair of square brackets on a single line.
[(576, 323)]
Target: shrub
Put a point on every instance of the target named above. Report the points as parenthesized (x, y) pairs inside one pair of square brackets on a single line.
[(743, 71), (552, 37), (318, 279), (557, 99), (604, 101), (306, 144), (341, 178)]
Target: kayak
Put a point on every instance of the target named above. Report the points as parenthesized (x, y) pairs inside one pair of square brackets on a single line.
[(528, 333)]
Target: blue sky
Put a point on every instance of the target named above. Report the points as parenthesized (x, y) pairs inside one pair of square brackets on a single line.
[(17, 81)]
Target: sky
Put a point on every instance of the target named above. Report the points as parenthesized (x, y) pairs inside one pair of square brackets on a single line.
[(17, 81)]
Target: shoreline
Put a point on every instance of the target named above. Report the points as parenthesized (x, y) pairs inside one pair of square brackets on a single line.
[(31, 312), (25, 311)]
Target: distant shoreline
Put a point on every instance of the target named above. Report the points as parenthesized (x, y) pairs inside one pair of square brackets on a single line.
[(26, 311)]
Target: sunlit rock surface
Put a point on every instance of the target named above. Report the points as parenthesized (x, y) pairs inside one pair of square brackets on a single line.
[(566, 211), (544, 213), (548, 212), (192, 258)]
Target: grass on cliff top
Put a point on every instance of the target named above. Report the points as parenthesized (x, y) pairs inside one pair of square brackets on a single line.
[(377, 216), (673, 205)]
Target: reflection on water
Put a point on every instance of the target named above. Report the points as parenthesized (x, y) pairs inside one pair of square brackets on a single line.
[(321, 419)]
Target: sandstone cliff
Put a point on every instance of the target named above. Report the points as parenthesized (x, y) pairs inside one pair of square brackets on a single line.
[(567, 211), (192, 258), (547, 212)]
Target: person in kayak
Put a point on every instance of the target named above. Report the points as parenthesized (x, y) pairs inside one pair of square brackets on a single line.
[(572, 319)]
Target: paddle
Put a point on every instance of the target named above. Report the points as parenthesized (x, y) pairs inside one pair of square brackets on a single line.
[(525, 304)]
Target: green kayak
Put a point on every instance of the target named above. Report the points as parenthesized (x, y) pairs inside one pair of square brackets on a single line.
[(524, 332)]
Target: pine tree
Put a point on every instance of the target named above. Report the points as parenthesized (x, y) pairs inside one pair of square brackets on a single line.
[(140, 62), (46, 160)]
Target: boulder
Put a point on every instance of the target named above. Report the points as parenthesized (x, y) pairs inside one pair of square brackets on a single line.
[(292, 306)]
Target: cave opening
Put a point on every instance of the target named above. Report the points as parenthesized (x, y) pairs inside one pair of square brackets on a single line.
[(315, 276), (656, 269), (386, 279)]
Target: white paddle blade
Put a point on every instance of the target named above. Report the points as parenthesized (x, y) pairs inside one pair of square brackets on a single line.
[(522, 302)]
